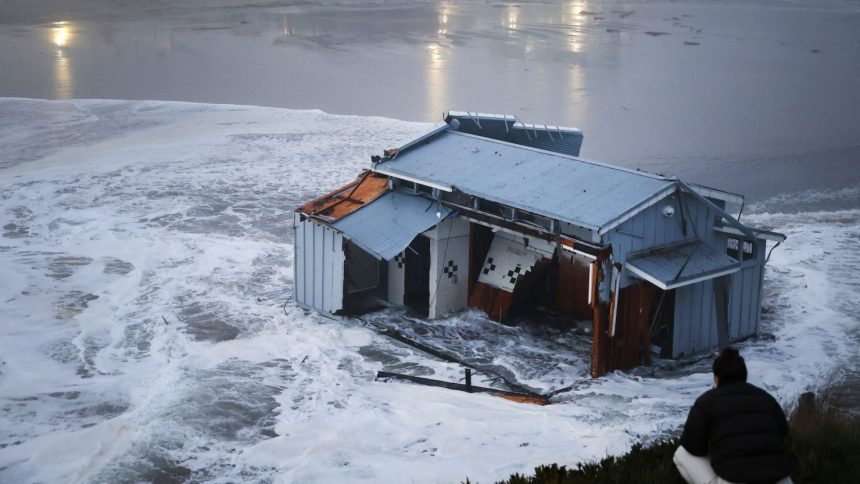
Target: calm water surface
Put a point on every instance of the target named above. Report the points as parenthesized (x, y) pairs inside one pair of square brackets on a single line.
[(761, 98)]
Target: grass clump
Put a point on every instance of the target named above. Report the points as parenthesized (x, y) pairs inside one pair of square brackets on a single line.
[(823, 447), (641, 465), (824, 442)]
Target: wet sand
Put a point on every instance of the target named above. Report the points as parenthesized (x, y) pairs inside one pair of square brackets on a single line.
[(761, 98)]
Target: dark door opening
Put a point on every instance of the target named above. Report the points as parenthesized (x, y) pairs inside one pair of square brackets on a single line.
[(417, 285), (365, 280), (480, 239), (663, 322)]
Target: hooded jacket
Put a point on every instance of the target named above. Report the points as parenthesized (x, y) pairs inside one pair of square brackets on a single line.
[(741, 427)]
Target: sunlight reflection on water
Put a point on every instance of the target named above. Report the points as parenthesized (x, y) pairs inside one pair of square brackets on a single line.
[(61, 36)]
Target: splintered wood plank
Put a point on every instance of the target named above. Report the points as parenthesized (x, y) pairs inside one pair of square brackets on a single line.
[(572, 289), (348, 198), (492, 300)]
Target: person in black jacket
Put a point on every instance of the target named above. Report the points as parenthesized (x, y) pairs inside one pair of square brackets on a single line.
[(734, 432)]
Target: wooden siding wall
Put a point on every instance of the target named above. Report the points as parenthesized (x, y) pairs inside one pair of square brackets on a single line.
[(695, 327), (745, 299), (572, 289), (695, 314), (651, 228), (318, 266), (492, 300), (630, 346)]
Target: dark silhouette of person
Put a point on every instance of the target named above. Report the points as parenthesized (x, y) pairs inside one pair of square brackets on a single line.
[(734, 432)]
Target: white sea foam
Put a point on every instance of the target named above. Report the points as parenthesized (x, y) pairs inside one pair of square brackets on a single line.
[(147, 329)]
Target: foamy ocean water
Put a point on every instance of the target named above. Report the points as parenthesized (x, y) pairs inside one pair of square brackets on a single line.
[(148, 332)]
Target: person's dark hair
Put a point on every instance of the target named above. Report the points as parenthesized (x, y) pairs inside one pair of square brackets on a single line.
[(730, 367)]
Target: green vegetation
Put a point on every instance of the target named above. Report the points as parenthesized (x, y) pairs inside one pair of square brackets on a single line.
[(824, 443), (823, 447), (640, 465)]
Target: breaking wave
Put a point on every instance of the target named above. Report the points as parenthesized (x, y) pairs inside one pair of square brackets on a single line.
[(148, 330)]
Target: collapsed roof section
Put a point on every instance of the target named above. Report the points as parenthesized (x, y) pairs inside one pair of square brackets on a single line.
[(388, 224)]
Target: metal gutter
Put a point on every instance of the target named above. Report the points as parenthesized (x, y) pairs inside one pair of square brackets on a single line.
[(422, 138), (394, 174), (760, 233), (503, 224)]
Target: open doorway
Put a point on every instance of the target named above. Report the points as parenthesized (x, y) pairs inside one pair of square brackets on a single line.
[(417, 284), (480, 238), (365, 280), (663, 323)]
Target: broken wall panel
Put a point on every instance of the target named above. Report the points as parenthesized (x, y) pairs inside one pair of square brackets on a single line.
[(534, 288), (630, 346), (572, 288), (495, 302), (511, 257)]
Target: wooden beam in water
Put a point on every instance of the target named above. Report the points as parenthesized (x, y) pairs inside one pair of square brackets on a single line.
[(513, 396)]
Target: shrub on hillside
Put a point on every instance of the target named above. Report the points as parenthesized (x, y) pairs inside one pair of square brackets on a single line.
[(823, 447)]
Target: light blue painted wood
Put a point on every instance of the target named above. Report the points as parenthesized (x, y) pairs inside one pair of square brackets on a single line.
[(318, 269), (695, 312), (299, 259)]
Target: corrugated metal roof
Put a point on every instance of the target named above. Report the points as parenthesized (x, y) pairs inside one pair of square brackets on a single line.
[(581, 192), (508, 128), (387, 225), (682, 264)]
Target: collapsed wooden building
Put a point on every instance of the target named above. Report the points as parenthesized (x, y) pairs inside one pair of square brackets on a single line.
[(488, 212)]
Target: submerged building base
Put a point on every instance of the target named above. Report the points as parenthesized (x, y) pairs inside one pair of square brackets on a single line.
[(486, 212)]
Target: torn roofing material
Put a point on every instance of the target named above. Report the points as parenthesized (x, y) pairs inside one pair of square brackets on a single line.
[(348, 198), (681, 264), (387, 225), (584, 193)]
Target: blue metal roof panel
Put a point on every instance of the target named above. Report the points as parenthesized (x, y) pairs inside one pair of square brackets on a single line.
[(387, 225), (682, 264), (581, 192)]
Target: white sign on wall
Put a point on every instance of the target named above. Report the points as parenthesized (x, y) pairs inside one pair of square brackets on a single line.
[(511, 257)]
